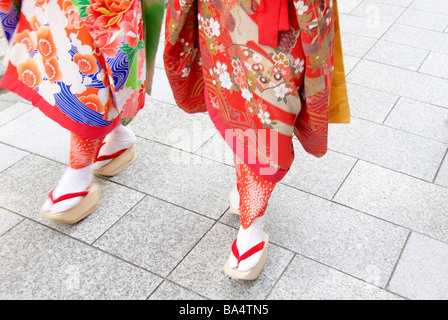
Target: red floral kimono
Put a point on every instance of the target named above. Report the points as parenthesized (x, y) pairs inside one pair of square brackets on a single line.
[(263, 69), (82, 62)]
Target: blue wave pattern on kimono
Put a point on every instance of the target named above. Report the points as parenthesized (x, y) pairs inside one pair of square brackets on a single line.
[(76, 110), (120, 69), (9, 22)]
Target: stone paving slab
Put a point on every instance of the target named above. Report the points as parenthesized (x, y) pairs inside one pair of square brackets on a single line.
[(389, 147), (320, 283), (11, 113), (366, 221), (442, 175), (335, 235), (27, 180), (187, 134), (322, 177), (435, 6), (422, 267), (10, 156), (35, 133), (181, 178), (370, 104), (413, 36), (406, 83), (398, 198), (39, 263), (170, 291), (8, 220), (364, 26), (419, 118), (155, 235), (436, 64), (397, 55), (201, 270), (356, 45), (428, 20), (378, 10)]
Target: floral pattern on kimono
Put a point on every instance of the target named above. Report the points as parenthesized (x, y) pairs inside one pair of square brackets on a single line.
[(258, 96), (82, 62)]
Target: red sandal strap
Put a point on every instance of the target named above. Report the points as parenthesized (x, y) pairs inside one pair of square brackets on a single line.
[(248, 253), (110, 156), (235, 251), (67, 196), (251, 252)]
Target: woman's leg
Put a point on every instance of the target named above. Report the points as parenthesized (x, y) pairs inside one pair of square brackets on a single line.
[(254, 193), (78, 176)]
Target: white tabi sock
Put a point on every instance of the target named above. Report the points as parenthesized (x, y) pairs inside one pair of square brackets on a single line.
[(72, 181)]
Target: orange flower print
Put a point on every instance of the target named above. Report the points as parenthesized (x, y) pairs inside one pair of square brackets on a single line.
[(25, 38), (41, 3), (52, 70), (86, 63), (108, 13), (35, 24), (29, 73), (45, 43), (74, 20), (93, 102)]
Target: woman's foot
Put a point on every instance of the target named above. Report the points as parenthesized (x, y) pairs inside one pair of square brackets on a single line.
[(246, 240), (249, 252), (121, 139), (72, 181)]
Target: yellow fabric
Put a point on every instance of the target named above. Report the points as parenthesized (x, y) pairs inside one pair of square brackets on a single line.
[(339, 109)]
